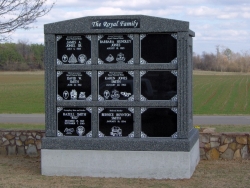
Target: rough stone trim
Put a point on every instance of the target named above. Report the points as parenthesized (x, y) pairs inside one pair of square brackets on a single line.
[(214, 146), (21, 142)]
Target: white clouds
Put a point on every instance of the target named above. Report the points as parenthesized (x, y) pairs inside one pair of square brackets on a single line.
[(218, 12), (224, 22), (246, 15), (202, 11), (130, 4)]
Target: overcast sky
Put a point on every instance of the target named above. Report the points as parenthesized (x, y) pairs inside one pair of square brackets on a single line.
[(215, 22)]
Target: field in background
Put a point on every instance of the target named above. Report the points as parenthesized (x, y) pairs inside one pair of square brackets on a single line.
[(221, 93), (22, 92), (214, 93)]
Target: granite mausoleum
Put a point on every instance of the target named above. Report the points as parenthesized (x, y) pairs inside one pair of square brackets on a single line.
[(119, 98)]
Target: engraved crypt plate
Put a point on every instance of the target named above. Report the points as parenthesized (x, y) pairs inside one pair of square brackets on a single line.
[(115, 49), (74, 85), (73, 50), (116, 85), (74, 121), (116, 122)]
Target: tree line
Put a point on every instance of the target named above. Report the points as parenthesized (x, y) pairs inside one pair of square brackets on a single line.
[(224, 60), (23, 56)]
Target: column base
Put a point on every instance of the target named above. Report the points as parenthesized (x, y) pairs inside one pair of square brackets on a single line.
[(120, 164)]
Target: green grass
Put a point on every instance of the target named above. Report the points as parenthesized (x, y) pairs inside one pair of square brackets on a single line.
[(213, 93), (228, 128), (21, 93), (221, 94), (10, 126), (14, 126)]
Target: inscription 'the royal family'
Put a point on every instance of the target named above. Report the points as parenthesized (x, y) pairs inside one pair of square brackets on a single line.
[(115, 23)]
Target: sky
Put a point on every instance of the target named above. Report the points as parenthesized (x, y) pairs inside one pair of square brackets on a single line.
[(223, 23)]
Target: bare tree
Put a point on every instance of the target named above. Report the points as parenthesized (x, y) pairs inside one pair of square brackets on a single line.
[(19, 14), (23, 48)]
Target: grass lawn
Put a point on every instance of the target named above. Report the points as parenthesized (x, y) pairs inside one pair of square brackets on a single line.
[(229, 128), (21, 93), (21, 171), (10, 126), (213, 93), (221, 94)]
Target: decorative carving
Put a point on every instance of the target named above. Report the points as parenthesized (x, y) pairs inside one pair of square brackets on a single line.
[(132, 110), (131, 36), (142, 36), (143, 135), (175, 98), (59, 98), (131, 135), (174, 61), (174, 73), (88, 62), (89, 109), (174, 135), (59, 133), (131, 61), (89, 134), (174, 35), (143, 109), (89, 98), (59, 62), (59, 73), (100, 109), (72, 59), (142, 61), (88, 37), (132, 98), (143, 98), (100, 37), (80, 130), (58, 37), (131, 73), (100, 134), (100, 62), (89, 73), (59, 109), (100, 98), (100, 73), (142, 73), (175, 110)]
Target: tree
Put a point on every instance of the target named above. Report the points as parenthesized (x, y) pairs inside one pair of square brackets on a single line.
[(19, 14), (23, 48)]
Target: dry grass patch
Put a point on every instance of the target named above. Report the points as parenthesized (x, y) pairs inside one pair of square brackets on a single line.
[(25, 172), (228, 128), (197, 72), (21, 72), (19, 126)]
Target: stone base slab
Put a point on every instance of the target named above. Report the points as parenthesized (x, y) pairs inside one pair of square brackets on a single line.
[(125, 164)]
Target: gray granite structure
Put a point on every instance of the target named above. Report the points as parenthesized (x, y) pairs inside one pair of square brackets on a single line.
[(119, 91)]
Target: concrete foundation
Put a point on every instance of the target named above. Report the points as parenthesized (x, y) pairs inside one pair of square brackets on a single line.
[(125, 164)]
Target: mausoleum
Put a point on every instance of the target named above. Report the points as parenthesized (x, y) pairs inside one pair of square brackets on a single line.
[(119, 98)]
